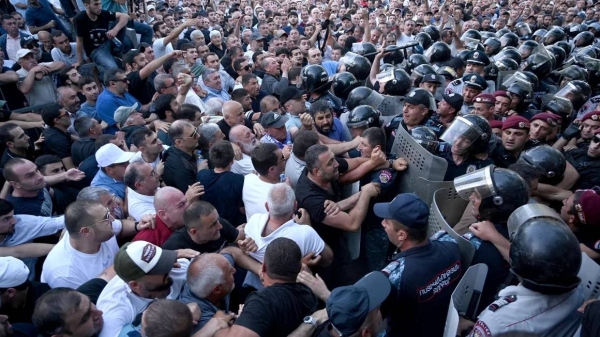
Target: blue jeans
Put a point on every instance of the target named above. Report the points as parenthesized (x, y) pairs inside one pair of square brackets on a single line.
[(103, 57), (144, 30)]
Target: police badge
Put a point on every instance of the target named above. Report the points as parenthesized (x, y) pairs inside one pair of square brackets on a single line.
[(471, 168)]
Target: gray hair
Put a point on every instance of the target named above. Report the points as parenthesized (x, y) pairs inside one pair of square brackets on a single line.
[(208, 276), (215, 32), (214, 106), (209, 131), (159, 81), (196, 33), (92, 193), (207, 73), (280, 200), (177, 68), (83, 125)]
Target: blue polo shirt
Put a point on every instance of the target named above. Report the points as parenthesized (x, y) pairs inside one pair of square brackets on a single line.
[(108, 103), (114, 186), (338, 131), (37, 17)]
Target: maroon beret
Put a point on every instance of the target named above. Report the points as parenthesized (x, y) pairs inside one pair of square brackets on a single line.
[(496, 124), (548, 118), (516, 122), (594, 115), (588, 208), (485, 98)]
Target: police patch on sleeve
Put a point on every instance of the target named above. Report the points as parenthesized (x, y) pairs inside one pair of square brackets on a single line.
[(385, 176), (471, 168), (481, 330)]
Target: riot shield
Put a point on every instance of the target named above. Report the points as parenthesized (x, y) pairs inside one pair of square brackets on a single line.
[(502, 77), (424, 171), (589, 273)]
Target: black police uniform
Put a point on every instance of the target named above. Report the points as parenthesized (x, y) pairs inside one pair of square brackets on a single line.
[(584, 144), (498, 267), (423, 279), (435, 125), (587, 167), (503, 158), (392, 126), (466, 166), (335, 103)]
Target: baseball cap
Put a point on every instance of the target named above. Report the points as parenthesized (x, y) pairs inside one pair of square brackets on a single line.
[(516, 122), (406, 208), (346, 17), (485, 98), (281, 33), (22, 53), (139, 258), (13, 272), (594, 115), (150, 7), (123, 112), (128, 56), (28, 40), (431, 78), (289, 93), (349, 306), (273, 120), (588, 207), (256, 37), (418, 97), (454, 100), (111, 154), (548, 118)]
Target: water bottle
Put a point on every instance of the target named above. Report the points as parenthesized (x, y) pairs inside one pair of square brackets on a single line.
[(282, 178), (117, 42), (199, 158)]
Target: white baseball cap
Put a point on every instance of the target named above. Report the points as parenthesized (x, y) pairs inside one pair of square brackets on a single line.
[(22, 53), (13, 272), (150, 7), (110, 154)]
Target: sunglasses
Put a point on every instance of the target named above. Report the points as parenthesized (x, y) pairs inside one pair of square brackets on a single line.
[(247, 67), (194, 134)]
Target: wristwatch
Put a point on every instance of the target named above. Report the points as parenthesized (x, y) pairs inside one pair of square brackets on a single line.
[(310, 320)]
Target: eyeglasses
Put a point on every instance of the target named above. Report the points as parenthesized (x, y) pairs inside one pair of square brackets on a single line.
[(105, 218), (194, 134), (596, 139), (247, 67), (63, 114)]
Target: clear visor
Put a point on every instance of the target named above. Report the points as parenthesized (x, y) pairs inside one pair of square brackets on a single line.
[(519, 78), (470, 43), (501, 66), (541, 49), (569, 92), (429, 145), (478, 180), (373, 100), (529, 212), (358, 48), (415, 76), (385, 76), (461, 134), (349, 58), (591, 63), (525, 50), (573, 73), (523, 30)]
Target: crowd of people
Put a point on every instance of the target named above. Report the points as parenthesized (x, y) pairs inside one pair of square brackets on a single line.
[(231, 168)]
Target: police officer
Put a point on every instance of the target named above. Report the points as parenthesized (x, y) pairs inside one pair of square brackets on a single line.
[(316, 82), (484, 105), (430, 82), (521, 96), (361, 118), (542, 126), (587, 163), (581, 212), (475, 84), (503, 102), (476, 62), (423, 272), (579, 133), (447, 110), (495, 194), (545, 257), (515, 139), (417, 105), (549, 162), (467, 137), (425, 137)]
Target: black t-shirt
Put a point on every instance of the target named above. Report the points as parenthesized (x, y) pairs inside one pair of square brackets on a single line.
[(57, 142), (82, 149), (181, 239), (12, 95), (93, 288), (89, 166), (142, 89), (93, 32), (224, 191), (8, 155), (277, 310), (23, 314), (180, 169), (587, 167), (466, 166), (225, 128), (40, 205)]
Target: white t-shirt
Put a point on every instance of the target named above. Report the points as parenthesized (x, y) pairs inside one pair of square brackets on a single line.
[(254, 195), (121, 306), (139, 205), (243, 166), (305, 236), (67, 267), (160, 49)]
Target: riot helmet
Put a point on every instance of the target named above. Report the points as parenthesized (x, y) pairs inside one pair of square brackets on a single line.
[(588, 51), (486, 35), (385, 67), (523, 31), (554, 35), (492, 46), (420, 71), (525, 93), (583, 39), (559, 54), (550, 163), (413, 61), (425, 137), (399, 84), (463, 54), (532, 78), (343, 84), (539, 64), (526, 48), (394, 57), (468, 135), (315, 79), (571, 73), (538, 35), (545, 255), (360, 94), (490, 72), (433, 32), (578, 92), (424, 40), (574, 29), (510, 53), (509, 40), (501, 32), (472, 34), (506, 64), (439, 52), (566, 46), (363, 116), (501, 191), (594, 27), (356, 64), (366, 49), (557, 105)]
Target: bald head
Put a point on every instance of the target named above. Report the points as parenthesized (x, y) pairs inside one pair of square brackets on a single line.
[(233, 113), (236, 134), (43, 35), (166, 197)]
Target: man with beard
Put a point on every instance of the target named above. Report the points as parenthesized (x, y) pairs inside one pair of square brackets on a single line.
[(251, 83), (326, 124), (64, 309), (243, 137), (293, 23), (586, 162), (64, 50), (69, 101), (167, 37), (145, 272), (69, 76), (581, 213)]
